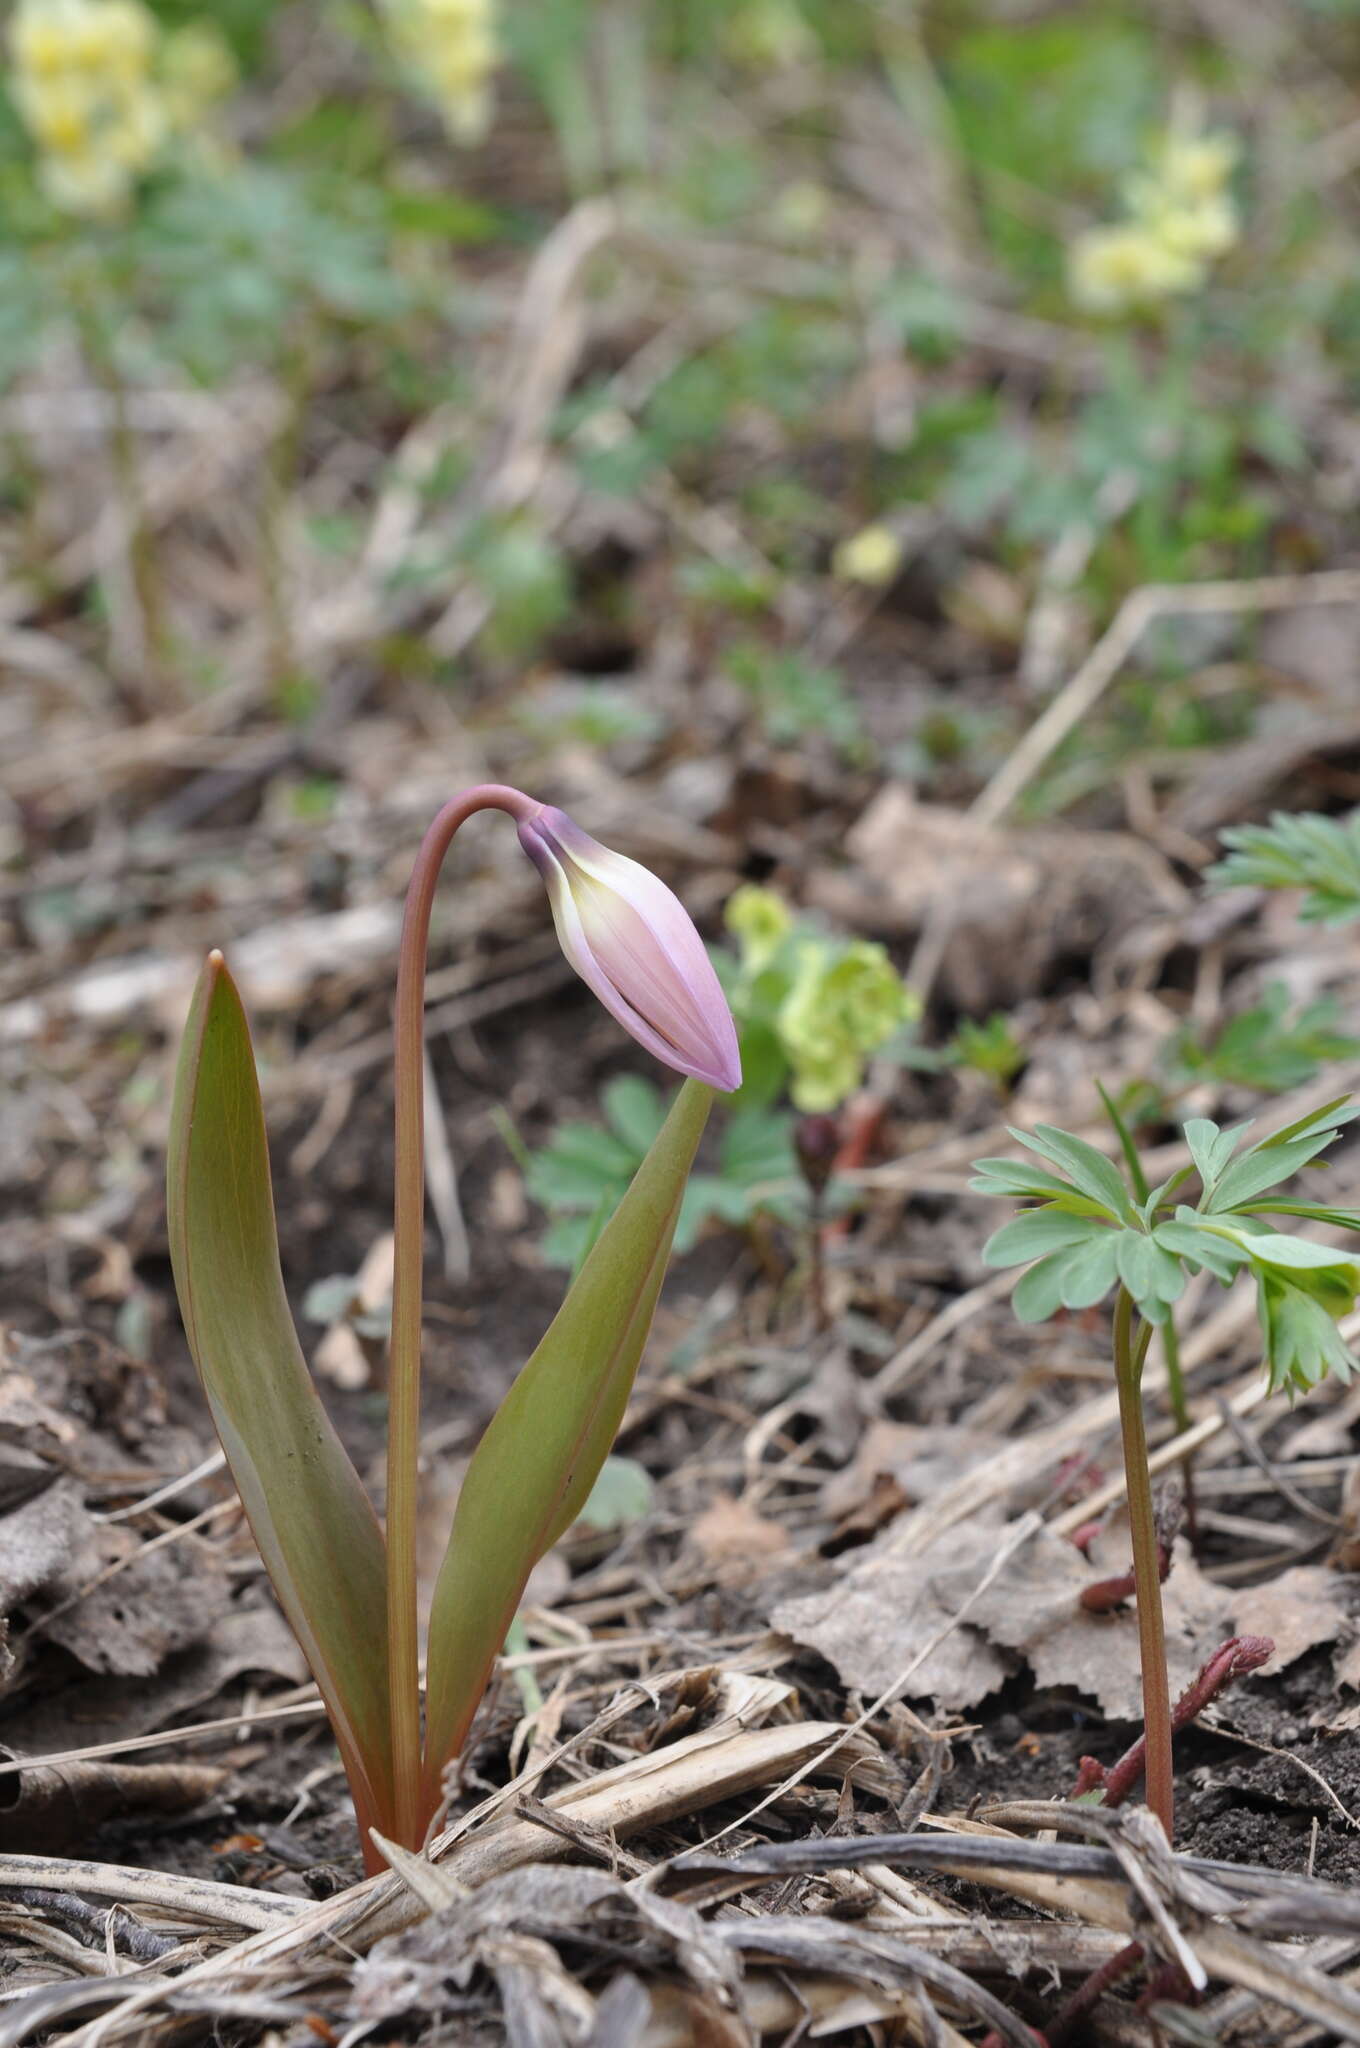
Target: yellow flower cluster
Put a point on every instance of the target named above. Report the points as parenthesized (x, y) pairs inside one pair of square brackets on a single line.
[(450, 49), (872, 556), (100, 90), (1181, 218), (834, 1001)]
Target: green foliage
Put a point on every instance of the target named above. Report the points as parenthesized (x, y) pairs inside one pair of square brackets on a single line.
[(581, 1175), (1091, 1228), (990, 1049), (795, 698), (1265, 1048), (810, 1008), (1301, 850)]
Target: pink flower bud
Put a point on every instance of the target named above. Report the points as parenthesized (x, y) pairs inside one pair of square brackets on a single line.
[(632, 942)]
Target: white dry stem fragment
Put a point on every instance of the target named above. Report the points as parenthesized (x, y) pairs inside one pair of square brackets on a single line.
[(699, 1771)]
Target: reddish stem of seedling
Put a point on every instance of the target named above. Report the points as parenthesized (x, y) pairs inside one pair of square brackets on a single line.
[(1111, 1972), (1232, 1659), (408, 1227), (1107, 1594), (1129, 1354)]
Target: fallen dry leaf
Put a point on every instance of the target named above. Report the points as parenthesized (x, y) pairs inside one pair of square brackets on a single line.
[(884, 1614), (919, 1459), (736, 1539), (1299, 1610), (1016, 900)]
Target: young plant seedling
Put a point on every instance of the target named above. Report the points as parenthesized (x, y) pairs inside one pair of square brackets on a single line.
[(1091, 1230), (347, 1587)]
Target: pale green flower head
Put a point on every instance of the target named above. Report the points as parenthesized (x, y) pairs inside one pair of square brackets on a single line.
[(867, 995), (843, 1004), (760, 921)]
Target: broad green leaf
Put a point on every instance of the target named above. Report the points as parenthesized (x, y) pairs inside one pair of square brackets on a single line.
[(1210, 1148), (1038, 1293), (635, 1110), (313, 1522), (1090, 1171), (1186, 1238), (1037, 1232), (1018, 1180), (1262, 1168), (1089, 1272), (534, 1468), (1152, 1275), (622, 1493)]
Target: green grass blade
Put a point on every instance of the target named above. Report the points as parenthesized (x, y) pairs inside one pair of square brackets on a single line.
[(533, 1470), (311, 1518)]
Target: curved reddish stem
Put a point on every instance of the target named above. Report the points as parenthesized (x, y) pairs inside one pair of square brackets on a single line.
[(408, 1227)]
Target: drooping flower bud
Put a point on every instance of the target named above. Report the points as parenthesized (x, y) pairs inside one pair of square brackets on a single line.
[(632, 942)]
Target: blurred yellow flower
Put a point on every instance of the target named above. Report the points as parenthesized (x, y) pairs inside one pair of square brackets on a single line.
[(1181, 218), (872, 556), (197, 69), (450, 49), (768, 34), (759, 920), (100, 91), (1110, 269)]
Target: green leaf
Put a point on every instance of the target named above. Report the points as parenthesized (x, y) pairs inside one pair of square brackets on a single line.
[(1332, 1117), (1016, 1178), (1090, 1171), (635, 1109), (1263, 1167), (1037, 1232), (1038, 1293), (533, 1470), (1301, 1340), (623, 1493), (1089, 1272), (313, 1522), (1185, 1238), (582, 1166), (1210, 1148), (1126, 1144), (1300, 851), (1311, 1212)]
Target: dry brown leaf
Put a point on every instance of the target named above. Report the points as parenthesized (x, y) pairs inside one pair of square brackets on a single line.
[(1299, 1610), (158, 1602), (885, 1613), (735, 1538), (1016, 899), (1034, 1607), (919, 1459)]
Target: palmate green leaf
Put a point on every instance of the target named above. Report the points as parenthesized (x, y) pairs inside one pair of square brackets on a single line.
[(1186, 1237), (1265, 1166), (1153, 1275), (1038, 1232), (1210, 1148), (1331, 1117), (1302, 1342), (310, 1516), (1089, 1171), (1017, 1179), (1310, 1212), (538, 1459)]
